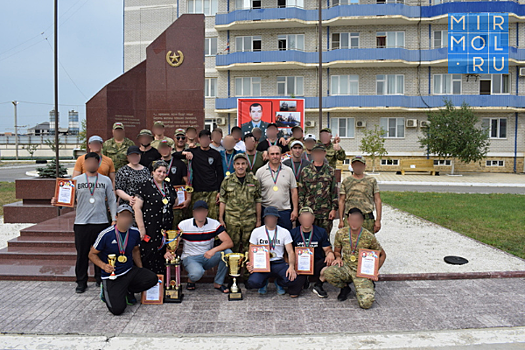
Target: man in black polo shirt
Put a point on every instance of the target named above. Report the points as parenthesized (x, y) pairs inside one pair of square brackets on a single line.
[(206, 173), (309, 235)]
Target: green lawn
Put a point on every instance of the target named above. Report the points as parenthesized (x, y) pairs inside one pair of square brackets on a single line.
[(495, 219), (7, 194)]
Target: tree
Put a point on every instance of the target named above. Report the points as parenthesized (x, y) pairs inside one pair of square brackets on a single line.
[(373, 144), (49, 171), (31, 149), (452, 134), (51, 144), (82, 134)]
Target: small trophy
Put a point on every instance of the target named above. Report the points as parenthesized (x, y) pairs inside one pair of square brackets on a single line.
[(112, 259), (235, 262), (173, 292)]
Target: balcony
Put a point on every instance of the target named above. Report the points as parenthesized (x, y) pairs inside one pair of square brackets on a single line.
[(355, 15), (393, 103), (342, 58)]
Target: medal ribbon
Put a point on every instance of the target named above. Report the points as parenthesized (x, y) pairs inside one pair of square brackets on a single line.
[(122, 243), (271, 242), (190, 172), (307, 244), (251, 164), (276, 176), (357, 242), (161, 190), (297, 171), (169, 166), (91, 190), (228, 163), (270, 143)]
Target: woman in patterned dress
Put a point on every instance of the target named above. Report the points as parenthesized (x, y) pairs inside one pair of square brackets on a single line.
[(130, 177)]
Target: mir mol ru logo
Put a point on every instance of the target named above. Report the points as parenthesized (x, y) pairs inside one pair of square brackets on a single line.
[(478, 43)]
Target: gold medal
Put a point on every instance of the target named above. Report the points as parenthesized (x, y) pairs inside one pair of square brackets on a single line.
[(353, 258), (273, 255), (275, 188), (228, 173), (165, 200), (122, 259)]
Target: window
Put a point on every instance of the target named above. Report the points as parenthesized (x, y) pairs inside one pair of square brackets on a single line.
[(344, 127), (390, 2), (440, 38), (290, 3), (495, 163), (288, 86), (389, 161), (390, 84), (248, 86), (442, 162), (345, 2), (208, 7), (210, 46), (345, 41), (390, 39), (291, 42), (494, 84), (210, 87), (394, 127), (446, 84), (247, 43), (496, 127), (345, 85), (247, 4)]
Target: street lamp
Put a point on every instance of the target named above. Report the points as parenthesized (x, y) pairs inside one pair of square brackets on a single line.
[(15, 103)]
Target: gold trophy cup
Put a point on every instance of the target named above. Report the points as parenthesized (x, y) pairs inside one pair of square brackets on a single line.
[(234, 261), (173, 291), (112, 260)]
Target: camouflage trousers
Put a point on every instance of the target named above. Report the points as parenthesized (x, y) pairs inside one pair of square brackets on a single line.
[(208, 197), (340, 276), (367, 224), (178, 216), (326, 224), (240, 231)]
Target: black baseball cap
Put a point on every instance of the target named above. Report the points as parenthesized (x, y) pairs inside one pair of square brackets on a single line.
[(133, 150)]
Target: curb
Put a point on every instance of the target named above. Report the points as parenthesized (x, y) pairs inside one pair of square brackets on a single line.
[(451, 276), (462, 184)]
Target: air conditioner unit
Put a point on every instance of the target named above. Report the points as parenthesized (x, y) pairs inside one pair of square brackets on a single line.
[(360, 124), (522, 72), (309, 124), (411, 123), (424, 123), (221, 121)]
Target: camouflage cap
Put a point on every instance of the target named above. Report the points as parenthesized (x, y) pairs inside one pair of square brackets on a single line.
[(306, 210), (328, 130), (359, 159), (165, 143), (158, 123), (319, 147), (145, 132), (180, 132), (239, 155), (118, 125)]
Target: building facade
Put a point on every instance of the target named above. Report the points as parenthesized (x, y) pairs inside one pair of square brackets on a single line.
[(384, 62)]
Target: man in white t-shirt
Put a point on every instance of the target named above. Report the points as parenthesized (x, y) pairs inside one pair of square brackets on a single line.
[(279, 239), (198, 252)]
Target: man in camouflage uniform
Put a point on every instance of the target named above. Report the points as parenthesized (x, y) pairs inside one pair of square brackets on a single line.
[(116, 147), (334, 151), (158, 131), (347, 243), (240, 203), (361, 191), (317, 189)]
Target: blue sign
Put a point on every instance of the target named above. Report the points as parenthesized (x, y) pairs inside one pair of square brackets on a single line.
[(478, 43)]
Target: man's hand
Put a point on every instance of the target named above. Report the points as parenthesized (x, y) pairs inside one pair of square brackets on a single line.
[(258, 223), (221, 221), (188, 155), (330, 257), (249, 267), (142, 233), (265, 156), (169, 255), (132, 200), (377, 226), (209, 254), (108, 268), (331, 216), (217, 198), (186, 203), (290, 273), (53, 201), (341, 223), (284, 141), (337, 262), (294, 215)]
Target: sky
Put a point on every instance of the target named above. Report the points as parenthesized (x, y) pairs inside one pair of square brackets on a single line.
[(90, 43)]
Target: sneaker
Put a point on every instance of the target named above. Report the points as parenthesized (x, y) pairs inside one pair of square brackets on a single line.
[(102, 296), (130, 299), (343, 295), (319, 291), (81, 288), (263, 290), (280, 290)]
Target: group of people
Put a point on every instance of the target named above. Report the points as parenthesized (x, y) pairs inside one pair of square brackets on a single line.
[(240, 189)]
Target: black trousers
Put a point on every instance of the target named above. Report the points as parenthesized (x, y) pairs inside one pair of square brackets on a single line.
[(297, 285), (136, 280), (85, 237)]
